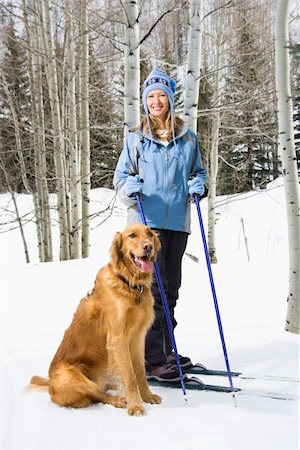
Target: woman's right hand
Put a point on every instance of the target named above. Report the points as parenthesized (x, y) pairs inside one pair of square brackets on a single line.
[(133, 185)]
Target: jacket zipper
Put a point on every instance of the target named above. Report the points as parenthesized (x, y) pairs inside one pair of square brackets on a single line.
[(166, 185)]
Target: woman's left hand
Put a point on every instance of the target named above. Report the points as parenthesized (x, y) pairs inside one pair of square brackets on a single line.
[(196, 186)]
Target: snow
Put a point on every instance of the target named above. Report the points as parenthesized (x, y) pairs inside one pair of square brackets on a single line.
[(38, 302)]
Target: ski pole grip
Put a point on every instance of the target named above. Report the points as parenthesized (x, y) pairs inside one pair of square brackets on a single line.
[(191, 177), (133, 174), (200, 197)]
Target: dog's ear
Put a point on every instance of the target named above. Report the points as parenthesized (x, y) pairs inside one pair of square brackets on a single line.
[(116, 249), (157, 243)]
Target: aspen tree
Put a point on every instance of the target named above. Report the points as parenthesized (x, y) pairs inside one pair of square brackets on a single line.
[(132, 65), (193, 64), (58, 142), (85, 130), (289, 162)]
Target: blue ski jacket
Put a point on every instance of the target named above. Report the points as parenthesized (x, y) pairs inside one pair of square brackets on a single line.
[(165, 171)]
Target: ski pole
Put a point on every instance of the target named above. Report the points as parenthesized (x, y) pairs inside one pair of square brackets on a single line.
[(165, 304), (212, 284)]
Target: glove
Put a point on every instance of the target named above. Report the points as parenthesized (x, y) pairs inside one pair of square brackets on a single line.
[(133, 185), (196, 186)]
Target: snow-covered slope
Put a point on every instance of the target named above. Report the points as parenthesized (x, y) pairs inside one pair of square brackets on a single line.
[(38, 301)]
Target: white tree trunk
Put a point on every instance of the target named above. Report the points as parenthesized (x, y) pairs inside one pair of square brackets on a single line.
[(132, 66), (193, 64), (59, 156), (41, 196), (215, 130), (85, 131), (40, 156), (213, 172), (72, 141), (289, 162)]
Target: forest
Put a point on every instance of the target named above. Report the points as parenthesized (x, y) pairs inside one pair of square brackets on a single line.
[(236, 94), (70, 80)]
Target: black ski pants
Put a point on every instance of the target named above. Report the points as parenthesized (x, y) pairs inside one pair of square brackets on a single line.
[(158, 342)]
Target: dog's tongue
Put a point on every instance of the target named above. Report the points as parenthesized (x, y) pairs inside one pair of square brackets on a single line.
[(144, 264), (147, 266)]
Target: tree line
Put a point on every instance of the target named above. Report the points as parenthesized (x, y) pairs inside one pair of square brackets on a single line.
[(70, 81)]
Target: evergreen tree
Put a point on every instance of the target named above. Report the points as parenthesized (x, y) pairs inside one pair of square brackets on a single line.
[(204, 119), (106, 130), (249, 127), (14, 80)]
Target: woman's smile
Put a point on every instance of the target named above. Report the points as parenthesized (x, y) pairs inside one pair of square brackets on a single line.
[(158, 103)]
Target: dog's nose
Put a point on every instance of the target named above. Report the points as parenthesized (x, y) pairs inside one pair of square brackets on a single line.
[(147, 246)]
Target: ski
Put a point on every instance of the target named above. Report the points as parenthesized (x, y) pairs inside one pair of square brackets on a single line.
[(269, 394), (195, 384), (200, 369), (192, 383)]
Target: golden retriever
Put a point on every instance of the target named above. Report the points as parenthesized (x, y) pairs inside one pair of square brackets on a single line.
[(104, 346)]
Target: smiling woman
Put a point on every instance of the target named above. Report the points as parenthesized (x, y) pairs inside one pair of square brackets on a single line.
[(158, 105), (166, 155)]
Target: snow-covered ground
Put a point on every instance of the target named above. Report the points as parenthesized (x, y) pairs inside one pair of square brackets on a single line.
[(38, 302)]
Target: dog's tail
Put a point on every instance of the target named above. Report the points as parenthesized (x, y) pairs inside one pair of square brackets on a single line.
[(39, 382)]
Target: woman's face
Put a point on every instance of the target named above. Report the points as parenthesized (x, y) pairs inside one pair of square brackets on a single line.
[(158, 103)]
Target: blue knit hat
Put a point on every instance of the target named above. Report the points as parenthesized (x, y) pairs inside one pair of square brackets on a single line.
[(159, 80)]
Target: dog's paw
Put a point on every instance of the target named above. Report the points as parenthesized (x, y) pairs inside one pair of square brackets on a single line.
[(152, 398), (119, 402), (137, 410)]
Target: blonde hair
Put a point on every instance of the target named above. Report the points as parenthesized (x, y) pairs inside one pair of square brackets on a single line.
[(154, 125)]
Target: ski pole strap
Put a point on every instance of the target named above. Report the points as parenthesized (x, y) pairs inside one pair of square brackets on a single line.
[(165, 303)]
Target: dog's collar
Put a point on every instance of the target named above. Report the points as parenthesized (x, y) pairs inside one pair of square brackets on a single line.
[(139, 287)]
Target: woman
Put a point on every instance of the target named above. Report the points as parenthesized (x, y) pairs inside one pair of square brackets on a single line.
[(161, 161)]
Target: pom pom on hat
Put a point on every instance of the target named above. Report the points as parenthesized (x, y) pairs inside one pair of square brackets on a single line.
[(159, 80)]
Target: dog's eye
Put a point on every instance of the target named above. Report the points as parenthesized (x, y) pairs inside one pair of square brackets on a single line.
[(150, 234), (132, 235)]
